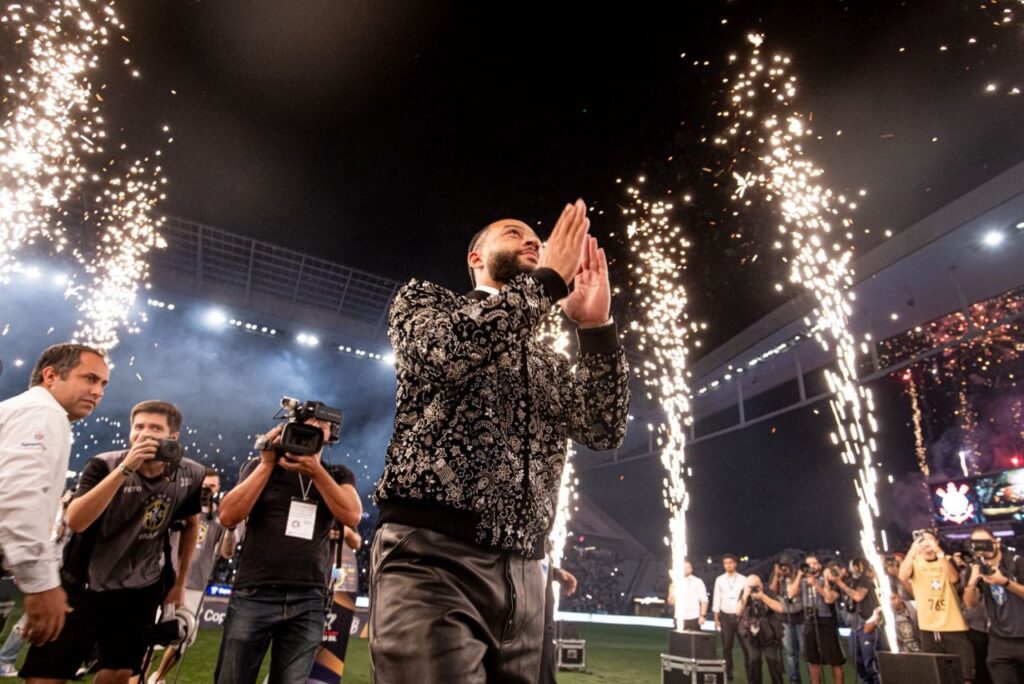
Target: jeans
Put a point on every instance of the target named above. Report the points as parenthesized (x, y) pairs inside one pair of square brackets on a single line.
[(288, 620), (793, 643), (9, 653), (862, 648)]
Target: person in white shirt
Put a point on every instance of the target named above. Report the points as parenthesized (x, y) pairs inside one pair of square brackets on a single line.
[(66, 385), (728, 589), (693, 599)]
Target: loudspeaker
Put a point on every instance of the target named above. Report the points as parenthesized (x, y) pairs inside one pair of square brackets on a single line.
[(696, 645), (920, 668)]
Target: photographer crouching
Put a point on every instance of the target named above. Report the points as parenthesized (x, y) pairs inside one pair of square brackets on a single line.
[(821, 624), (289, 501), (995, 579), (761, 631), (116, 571)]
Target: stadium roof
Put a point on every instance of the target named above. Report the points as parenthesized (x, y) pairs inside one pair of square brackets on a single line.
[(970, 250), (282, 284)]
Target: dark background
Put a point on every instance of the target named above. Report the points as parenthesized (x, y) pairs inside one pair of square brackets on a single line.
[(382, 135)]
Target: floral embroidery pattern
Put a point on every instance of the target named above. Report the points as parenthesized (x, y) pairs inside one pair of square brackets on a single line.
[(477, 429)]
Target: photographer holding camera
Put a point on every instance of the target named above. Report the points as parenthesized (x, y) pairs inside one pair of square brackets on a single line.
[(213, 542), (995, 579), (821, 626), (933, 579), (116, 564), (975, 616), (760, 630), (863, 621), (289, 502), (793, 616)]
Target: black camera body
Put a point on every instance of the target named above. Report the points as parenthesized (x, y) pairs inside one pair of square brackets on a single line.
[(805, 568), (301, 439), (206, 497), (980, 546), (973, 548), (755, 590), (169, 451)]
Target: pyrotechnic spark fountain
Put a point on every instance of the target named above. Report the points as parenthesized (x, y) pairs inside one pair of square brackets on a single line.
[(968, 424), (130, 232), (657, 259), (51, 129), (761, 129), (553, 333), (915, 407), (51, 117)]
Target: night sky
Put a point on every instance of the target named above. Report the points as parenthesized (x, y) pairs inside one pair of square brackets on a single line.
[(382, 135), (378, 134)]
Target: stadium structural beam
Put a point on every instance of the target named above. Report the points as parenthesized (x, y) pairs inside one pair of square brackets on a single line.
[(807, 401)]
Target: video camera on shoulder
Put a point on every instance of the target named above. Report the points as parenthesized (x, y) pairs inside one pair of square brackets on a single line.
[(301, 439)]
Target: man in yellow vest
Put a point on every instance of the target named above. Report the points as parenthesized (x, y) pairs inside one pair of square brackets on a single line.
[(933, 578)]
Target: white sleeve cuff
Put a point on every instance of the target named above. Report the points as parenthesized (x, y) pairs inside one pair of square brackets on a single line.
[(36, 576)]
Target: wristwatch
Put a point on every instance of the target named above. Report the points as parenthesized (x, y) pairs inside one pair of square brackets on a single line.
[(125, 470)]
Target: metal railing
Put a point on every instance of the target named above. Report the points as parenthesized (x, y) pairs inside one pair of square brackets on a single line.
[(206, 254)]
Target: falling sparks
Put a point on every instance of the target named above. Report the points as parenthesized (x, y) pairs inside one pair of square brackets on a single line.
[(52, 129), (553, 333), (762, 129), (130, 231), (657, 259), (915, 407), (968, 425), (51, 119), (1003, 15)]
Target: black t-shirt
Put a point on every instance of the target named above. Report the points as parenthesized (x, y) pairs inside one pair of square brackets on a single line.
[(866, 607), (759, 622), (124, 547), (269, 557), (1005, 609)]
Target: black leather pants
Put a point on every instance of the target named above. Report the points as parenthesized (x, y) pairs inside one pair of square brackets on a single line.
[(443, 610)]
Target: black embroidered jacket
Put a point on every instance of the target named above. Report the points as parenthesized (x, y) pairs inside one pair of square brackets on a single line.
[(484, 411)]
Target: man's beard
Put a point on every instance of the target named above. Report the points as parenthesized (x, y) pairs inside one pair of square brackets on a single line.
[(504, 266)]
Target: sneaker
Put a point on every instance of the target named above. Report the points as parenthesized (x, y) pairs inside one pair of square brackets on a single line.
[(153, 680), (8, 670)]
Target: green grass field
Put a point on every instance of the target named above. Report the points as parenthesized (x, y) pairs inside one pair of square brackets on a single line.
[(615, 655)]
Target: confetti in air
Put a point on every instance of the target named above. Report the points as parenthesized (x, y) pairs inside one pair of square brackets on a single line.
[(657, 259), (766, 138), (553, 333), (51, 135)]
